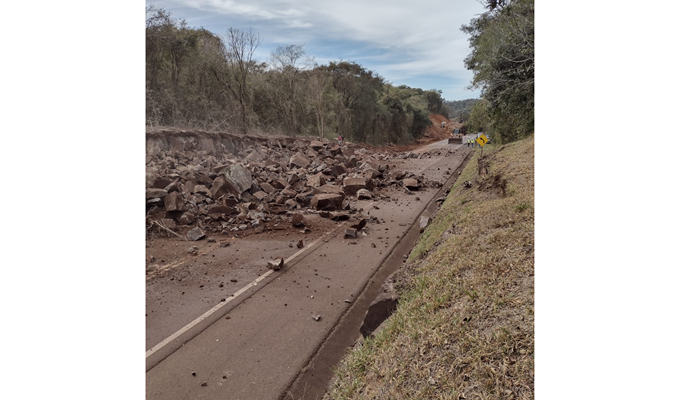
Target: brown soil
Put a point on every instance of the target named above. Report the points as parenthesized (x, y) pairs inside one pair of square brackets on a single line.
[(433, 134)]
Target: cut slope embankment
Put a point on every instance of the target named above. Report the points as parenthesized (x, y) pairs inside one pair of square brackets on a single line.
[(464, 327)]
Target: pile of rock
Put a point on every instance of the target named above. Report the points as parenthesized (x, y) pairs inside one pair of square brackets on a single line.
[(268, 182)]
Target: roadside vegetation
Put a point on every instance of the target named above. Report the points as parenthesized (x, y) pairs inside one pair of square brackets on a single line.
[(502, 58), (196, 79), (464, 326), (460, 108)]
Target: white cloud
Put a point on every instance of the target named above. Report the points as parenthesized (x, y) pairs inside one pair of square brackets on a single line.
[(401, 39)]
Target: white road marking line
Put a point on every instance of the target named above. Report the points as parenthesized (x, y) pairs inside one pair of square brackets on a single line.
[(228, 300)]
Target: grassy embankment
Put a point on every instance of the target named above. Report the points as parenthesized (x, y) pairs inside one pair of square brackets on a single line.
[(464, 328)]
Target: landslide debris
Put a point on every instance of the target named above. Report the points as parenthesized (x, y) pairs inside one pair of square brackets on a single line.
[(198, 184)]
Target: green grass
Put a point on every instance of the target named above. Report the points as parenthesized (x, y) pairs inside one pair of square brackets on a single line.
[(464, 326)]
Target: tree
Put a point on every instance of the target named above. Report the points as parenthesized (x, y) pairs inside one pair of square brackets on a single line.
[(285, 61), (503, 60), (239, 47)]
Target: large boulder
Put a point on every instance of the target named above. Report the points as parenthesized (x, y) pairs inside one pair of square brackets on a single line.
[(329, 189), (317, 180), (352, 185), (221, 187), (155, 193), (316, 145), (411, 184), (299, 160), (239, 177), (327, 201), (174, 202)]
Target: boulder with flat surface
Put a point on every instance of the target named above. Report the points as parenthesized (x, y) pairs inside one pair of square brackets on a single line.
[(195, 234), (155, 193), (411, 184), (239, 176), (174, 202), (299, 160), (352, 185), (326, 201)]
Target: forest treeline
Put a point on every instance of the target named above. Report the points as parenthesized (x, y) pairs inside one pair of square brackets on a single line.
[(460, 108), (502, 57), (197, 79)]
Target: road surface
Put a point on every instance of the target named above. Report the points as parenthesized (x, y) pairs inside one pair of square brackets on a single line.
[(254, 344)]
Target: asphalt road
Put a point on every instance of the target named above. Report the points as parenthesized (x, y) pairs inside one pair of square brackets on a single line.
[(254, 344)]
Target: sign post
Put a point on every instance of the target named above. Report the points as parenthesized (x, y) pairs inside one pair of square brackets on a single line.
[(482, 140)]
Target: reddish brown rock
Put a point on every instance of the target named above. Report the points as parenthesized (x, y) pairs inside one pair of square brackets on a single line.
[(352, 185), (155, 193), (174, 202), (329, 189), (411, 184), (221, 187), (201, 189), (326, 201), (186, 218), (260, 195), (299, 160), (298, 220), (221, 210), (316, 180), (267, 187)]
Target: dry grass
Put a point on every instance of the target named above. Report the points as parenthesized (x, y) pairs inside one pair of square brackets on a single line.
[(464, 328)]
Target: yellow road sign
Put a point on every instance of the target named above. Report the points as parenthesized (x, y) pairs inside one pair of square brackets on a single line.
[(482, 140)]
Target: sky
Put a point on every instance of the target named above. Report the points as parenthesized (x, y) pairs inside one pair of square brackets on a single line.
[(414, 43)]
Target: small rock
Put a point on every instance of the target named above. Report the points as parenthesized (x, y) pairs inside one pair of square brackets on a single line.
[(364, 194), (276, 264), (350, 233), (298, 220), (316, 317), (204, 384), (300, 244), (348, 301), (193, 250), (212, 240), (195, 234), (224, 244)]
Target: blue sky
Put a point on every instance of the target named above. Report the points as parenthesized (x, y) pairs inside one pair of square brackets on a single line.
[(414, 43)]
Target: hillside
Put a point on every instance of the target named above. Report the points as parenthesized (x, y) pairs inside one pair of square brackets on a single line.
[(458, 107), (464, 326)]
